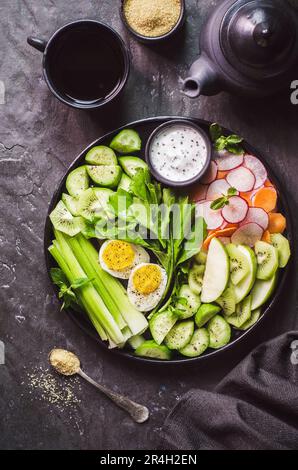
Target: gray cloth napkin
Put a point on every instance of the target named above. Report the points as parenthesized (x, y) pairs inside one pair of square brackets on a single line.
[(255, 407)]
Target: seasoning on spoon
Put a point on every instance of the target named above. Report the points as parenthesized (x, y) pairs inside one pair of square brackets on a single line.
[(152, 18), (65, 362)]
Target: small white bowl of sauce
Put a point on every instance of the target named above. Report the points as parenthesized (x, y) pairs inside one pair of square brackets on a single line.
[(178, 153)]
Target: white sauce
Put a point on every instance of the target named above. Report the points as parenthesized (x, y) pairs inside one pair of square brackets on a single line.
[(178, 152)]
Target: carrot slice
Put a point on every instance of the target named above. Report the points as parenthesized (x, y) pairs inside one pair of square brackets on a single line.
[(268, 184), (277, 223), (248, 197), (225, 232), (266, 236), (221, 175), (265, 198)]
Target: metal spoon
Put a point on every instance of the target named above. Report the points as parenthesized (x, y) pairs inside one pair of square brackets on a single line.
[(138, 412)]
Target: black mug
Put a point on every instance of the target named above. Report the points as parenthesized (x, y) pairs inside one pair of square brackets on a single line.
[(85, 63)]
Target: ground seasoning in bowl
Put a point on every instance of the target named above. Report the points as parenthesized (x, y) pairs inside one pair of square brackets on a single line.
[(152, 18)]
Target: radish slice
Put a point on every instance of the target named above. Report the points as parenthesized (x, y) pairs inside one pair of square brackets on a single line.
[(199, 192), (212, 218), (235, 211), (257, 168), (227, 161), (217, 189), (247, 234), (242, 179), (211, 174), (224, 240), (258, 216)]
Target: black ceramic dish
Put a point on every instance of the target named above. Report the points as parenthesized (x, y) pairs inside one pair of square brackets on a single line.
[(160, 178), (145, 128), (157, 39)]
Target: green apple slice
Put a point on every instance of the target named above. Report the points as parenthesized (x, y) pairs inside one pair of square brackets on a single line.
[(217, 272), (261, 291), (244, 287)]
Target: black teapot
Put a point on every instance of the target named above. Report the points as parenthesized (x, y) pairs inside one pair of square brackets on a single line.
[(248, 47)]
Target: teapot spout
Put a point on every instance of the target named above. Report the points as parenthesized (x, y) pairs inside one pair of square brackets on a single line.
[(202, 80)]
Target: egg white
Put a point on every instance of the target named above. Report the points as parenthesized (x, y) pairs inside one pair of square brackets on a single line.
[(143, 302), (141, 256)]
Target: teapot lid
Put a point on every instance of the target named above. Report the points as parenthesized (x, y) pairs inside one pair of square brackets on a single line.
[(257, 36)]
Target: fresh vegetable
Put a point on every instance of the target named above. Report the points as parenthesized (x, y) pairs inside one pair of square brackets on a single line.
[(247, 234), (257, 168), (258, 216), (235, 211), (105, 175), (205, 313), (217, 272), (77, 181), (266, 198), (242, 179), (124, 182), (155, 351), (126, 141), (180, 335), (277, 223), (197, 345), (132, 164), (101, 155), (62, 220), (219, 332), (161, 323), (71, 203), (188, 302), (232, 143), (211, 174)]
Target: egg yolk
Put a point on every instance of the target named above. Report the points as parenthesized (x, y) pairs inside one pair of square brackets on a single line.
[(147, 279), (118, 255)]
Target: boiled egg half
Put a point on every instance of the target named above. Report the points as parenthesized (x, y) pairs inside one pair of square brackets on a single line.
[(146, 285), (118, 257)]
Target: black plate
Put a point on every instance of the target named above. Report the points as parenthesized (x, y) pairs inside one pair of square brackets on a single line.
[(145, 127)]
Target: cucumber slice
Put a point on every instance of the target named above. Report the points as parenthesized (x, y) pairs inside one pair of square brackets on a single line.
[(195, 278), (261, 291), (126, 141), (217, 272), (77, 181), (201, 257), (242, 314), (89, 205), (101, 155), (239, 265), (105, 175), (180, 335), (283, 248), (219, 332), (197, 345), (160, 325), (132, 164), (136, 341), (71, 203), (267, 258), (227, 300), (63, 221), (156, 351), (244, 287), (205, 313), (255, 315), (187, 307), (124, 182)]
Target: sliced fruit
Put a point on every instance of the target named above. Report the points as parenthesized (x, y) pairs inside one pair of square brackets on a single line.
[(71, 203), (101, 155), (266, 237), (63, 221), (255, 315), (124, 182), (217, 272), (219, 332), (211, 173), (242, 179), (199, 193), (239, 263), (266, 198), (195, 278), (235, 211), (242, 289), (227, 301), (217, 189), (132, 164), (126, 141), (282, 245), (201, 257), (261, 291), (103, 195), (151, 349), (277, 223), (213, 218), (188, 303), (227, 161), (77, 181), (242, 314), (160, 325), (205, 313), (267, 259), (258, 216), (105, 175), (197, 345), (257, 168), (247, 234), (180, 335)]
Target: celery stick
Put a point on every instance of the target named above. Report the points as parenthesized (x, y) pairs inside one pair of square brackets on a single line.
[(55, 252), (89, 292), (135, 320)]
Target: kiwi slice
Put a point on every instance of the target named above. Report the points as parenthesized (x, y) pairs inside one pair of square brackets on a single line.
[(77, 181), (255, 315), (89, 205), (195, 278), (205, 313), (219, 332), (282, 245), (101, 155), (239, 265), (267, 258), (227, 301), (71, 203), (242, 314), (201, 257), (63, 221)]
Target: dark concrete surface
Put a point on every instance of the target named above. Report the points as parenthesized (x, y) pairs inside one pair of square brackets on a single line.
[(39, 138)]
